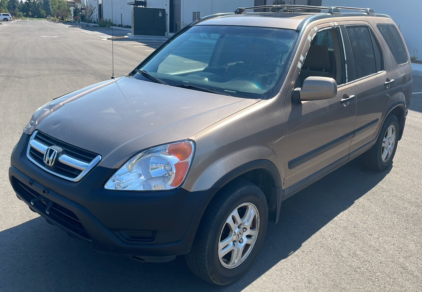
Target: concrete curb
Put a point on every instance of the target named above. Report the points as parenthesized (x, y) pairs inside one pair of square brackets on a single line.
[(417, 69), (143, 38), (150, 39), (96, 25), (138, 39), (122, 28)]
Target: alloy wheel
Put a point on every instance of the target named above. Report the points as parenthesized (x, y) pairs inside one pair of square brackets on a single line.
[(388, 143), (238, 236)]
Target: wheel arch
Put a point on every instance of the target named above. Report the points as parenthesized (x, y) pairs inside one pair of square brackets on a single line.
[(262, 173), (399, 110)]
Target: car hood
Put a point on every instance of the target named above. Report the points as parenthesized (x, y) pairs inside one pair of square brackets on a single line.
[(119, 118)]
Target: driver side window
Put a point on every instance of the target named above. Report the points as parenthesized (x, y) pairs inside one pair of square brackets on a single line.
[(325, 57)]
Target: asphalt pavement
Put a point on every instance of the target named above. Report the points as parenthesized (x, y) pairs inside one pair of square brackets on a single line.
[(354, 230)]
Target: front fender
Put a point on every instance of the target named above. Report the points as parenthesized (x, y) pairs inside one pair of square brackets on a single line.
[(211, 176)]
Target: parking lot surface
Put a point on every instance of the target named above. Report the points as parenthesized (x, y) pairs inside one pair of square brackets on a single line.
[(354, 230)]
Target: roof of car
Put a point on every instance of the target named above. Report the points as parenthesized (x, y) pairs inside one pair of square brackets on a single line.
[(288, 16), (259, 19)]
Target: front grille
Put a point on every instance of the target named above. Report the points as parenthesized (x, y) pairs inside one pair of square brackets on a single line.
[(75, 152), (72, 163), (56, 213)]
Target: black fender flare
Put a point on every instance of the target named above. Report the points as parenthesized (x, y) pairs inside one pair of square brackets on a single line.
[(402, 121), (255, 165)]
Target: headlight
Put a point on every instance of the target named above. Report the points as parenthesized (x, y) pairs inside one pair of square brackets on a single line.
[(159, 168)]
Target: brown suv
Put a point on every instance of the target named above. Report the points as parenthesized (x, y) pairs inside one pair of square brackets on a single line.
[(193, 152)]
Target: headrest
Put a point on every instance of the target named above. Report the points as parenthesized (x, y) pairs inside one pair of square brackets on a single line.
[(317, 58), (259, 53)]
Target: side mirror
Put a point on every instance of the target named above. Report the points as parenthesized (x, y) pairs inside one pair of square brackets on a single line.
[(316, 88)]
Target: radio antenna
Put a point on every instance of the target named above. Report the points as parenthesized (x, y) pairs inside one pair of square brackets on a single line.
[(112, 42)]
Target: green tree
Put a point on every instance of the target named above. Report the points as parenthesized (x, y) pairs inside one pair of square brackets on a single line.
[(46, 6), (54, 7), (25, 8), (12, 5), (3, 5), (29, 7), (62, 9), (35, 9)]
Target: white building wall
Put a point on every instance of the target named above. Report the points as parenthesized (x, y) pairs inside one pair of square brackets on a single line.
[(208, 7), (406, 14), (122, 13), (117, 11)]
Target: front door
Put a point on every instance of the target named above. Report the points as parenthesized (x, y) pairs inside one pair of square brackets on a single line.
[(320, 132)]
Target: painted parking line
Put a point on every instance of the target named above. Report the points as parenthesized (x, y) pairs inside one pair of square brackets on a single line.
[(144, 47), (416, 93)]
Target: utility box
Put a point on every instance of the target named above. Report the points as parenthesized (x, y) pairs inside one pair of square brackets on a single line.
[(148, 21)]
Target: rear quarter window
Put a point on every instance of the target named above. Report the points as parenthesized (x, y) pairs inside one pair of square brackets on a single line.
[(394, 41)]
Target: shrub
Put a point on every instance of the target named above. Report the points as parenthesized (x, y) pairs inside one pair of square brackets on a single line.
[(104, 23)]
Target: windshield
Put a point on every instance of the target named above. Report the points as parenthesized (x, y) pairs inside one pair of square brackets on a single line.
[(239, 61)]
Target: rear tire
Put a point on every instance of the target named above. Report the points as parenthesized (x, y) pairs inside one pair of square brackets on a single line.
[(5, 19), (381, 155), (210, 258)]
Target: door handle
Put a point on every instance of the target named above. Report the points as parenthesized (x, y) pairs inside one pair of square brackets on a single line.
[(347, 98), (388, 82)]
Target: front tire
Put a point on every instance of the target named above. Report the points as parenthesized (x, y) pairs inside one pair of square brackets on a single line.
[(380, 156), (230, 235)]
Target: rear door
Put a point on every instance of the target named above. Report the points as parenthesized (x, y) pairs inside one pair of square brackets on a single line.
[(399, 58), (372, 80)]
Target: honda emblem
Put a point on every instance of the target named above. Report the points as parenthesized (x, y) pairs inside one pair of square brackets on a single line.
[(50, 156)]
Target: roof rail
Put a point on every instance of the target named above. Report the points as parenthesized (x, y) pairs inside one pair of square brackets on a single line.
[(334, 10)]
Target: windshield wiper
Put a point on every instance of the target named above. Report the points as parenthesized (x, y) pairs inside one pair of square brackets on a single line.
[(150, 77), (199, 88)]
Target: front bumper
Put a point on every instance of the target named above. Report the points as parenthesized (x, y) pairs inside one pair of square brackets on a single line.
[(142, 224)]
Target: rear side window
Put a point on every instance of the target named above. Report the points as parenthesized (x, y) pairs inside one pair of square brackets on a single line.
[(394, 41), (366, 52), (379, 60)]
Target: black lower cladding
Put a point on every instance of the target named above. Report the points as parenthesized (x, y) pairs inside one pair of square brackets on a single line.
[(151, 223), (56, 213)]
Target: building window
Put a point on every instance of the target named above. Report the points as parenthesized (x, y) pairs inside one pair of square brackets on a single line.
[(196, 16)]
